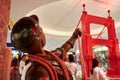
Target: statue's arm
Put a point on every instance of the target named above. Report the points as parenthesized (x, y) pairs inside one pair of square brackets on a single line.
[(68, 44)]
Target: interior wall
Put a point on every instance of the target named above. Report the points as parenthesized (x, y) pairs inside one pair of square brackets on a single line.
[(5, 52)]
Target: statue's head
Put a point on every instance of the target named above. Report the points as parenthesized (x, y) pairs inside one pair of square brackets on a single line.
[(27, 35)]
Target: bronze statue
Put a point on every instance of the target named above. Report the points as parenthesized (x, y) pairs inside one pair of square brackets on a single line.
[(28, 37)]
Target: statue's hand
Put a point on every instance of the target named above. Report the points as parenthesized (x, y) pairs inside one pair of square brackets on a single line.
[(76, 33)]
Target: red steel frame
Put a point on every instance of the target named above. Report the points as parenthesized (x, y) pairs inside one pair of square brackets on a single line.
[(88, 42)]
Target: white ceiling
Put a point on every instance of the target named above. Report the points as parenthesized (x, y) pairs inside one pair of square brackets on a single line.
[(59, 18)]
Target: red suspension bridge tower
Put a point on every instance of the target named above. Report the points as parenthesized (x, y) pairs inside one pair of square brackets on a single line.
[(88, 42)]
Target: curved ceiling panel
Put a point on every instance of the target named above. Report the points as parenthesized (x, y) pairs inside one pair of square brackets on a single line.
[(59, 18)]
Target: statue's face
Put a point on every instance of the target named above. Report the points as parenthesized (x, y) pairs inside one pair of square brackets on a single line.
[(27, 36)]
